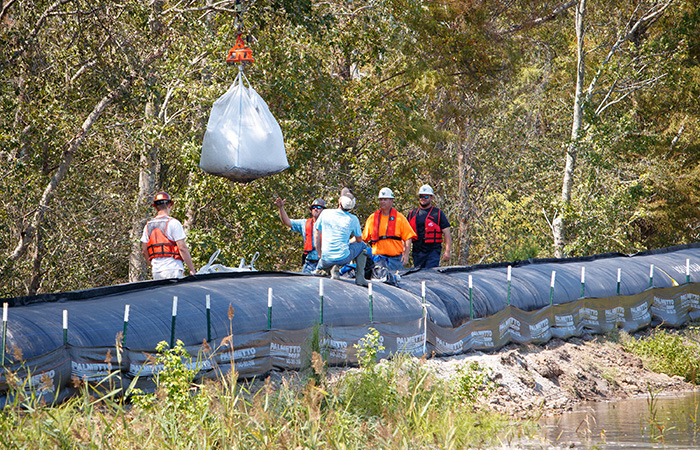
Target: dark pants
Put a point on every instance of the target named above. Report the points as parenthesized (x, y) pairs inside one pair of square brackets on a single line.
[(426, 260)]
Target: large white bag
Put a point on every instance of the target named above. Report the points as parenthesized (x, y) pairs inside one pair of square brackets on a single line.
[(243, 140)]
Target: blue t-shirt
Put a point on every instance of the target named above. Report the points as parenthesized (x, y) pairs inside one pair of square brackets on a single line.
[(337, 226), (299, 225)]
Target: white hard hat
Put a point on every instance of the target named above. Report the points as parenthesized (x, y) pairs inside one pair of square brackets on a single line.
[(385, 193), (425, 190)]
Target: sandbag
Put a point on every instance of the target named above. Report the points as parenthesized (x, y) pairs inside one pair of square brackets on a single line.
[(243, 140)]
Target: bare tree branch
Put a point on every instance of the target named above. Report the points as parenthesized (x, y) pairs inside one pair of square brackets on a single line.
[(556, 12)]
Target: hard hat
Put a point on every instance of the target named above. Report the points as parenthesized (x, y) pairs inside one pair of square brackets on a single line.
[(385, 193), (319, 202), (160, 198), (425, 190)]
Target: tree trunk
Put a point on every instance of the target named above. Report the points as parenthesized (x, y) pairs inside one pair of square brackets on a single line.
[(559, 224), (464, 210)]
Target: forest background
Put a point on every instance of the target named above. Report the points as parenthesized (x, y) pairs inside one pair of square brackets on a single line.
[(546, 128)]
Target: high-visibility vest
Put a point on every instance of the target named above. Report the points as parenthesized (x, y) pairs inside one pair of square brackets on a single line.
[(308, 238), (159, 246), (390, 227), (432, 231)]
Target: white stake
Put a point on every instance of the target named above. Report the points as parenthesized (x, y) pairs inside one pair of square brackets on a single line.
[(269, 297), (619, 274), (583, 275), (554, 275), (208, 301), (174, 305), (65, 319), (508, 276), (470, 282), (422, 289), (320, 287), (126, 313), (4, 312), (369, 286)]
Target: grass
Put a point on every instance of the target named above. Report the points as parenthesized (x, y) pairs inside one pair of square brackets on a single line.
[(673, 352), (397, 404)]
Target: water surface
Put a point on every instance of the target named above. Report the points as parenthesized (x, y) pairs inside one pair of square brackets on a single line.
[(653, 422)]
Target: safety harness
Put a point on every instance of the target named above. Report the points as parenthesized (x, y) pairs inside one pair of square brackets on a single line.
[(390, 227)]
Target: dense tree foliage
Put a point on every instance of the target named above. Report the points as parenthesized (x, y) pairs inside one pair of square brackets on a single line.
[(102, 103)]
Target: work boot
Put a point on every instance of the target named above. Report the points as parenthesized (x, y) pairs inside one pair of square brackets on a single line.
[(335, 272), (321, 273), (361, 260)]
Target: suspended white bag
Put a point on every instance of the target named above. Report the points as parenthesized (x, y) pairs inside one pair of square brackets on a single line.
[(243, 140)]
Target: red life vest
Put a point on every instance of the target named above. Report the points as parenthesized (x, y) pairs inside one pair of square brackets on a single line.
[(159, 246), (390, 227), (431, 230), (308, 238)]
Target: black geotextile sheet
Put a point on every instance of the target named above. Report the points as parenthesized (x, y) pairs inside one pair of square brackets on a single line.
[(487, 316)]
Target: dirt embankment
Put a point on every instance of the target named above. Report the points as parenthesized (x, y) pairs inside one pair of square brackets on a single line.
[(549, 379)]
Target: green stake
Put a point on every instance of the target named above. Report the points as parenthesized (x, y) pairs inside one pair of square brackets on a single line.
[(320, 296), (371, 304), (172, 326), (508, 279), (4, 331), (208, 304), (651, 275), (471, 299), (425, 317), (269, 308), (583, 280), (126, 322), (551, 288), (65, 326)]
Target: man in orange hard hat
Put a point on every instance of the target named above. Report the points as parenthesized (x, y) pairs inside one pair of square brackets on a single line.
[(163, 242)]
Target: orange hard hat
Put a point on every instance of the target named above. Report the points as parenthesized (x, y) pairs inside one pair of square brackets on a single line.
[(161, 197)]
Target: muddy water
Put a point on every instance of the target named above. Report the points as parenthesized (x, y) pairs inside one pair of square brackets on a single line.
[(670, 422)]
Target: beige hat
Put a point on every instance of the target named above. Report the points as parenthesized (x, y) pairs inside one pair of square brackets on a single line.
[(347, 200)]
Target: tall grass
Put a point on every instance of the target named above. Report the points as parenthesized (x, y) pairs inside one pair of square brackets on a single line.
[(673, 352), (397, 404)]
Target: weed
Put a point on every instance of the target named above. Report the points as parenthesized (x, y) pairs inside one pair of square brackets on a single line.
[(472, 382)]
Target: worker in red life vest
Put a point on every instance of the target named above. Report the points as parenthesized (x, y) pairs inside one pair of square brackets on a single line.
[(389, 233), (432, 229), (163, 242), (305, 227)]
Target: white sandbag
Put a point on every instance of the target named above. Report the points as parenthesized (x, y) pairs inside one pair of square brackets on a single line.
[(243, 140)]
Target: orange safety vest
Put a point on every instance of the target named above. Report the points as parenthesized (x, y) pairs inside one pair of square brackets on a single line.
[(390, 227), (159, 246), (308, 238), (432, 231)]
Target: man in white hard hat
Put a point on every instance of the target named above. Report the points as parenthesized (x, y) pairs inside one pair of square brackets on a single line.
[(337, 234), (163, 242), (432, 229), (389, 233), (305, 227)]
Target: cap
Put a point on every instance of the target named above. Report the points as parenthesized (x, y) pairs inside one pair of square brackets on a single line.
[(425, 190), (161, 198), (385, 193), (319, 202), (347, 200)]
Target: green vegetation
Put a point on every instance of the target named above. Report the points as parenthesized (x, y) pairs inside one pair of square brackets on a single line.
[(673, 352), (396, 404)]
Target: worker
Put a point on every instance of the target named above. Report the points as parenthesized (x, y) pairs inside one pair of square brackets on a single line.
[(305, 227), (338, 236), (389, 233), (432, 228), (163, 242)]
